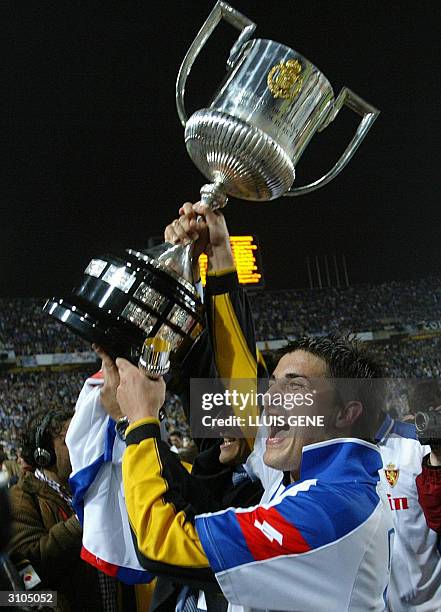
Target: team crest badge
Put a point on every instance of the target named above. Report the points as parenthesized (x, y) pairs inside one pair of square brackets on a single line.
[(391, 474), (284, 80)]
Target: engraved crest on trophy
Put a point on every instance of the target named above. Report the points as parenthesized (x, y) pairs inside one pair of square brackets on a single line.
[(285, 80)]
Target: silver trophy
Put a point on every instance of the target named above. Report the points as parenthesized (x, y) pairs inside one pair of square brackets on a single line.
[(271, 103)]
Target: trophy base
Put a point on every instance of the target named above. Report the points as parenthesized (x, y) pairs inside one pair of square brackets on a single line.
[(247, 162), (122, 301), (92, 329)]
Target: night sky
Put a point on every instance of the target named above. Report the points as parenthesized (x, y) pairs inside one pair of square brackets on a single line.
[(93, 154)]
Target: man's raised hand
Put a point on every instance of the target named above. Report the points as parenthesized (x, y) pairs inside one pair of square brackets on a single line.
[(187, 229)]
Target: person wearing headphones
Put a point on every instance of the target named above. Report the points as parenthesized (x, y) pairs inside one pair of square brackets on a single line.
[(46, 534)]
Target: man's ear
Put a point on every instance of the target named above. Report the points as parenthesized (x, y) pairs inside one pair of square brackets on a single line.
[(348, 414)]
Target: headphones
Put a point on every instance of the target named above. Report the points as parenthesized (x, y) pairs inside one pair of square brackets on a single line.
[(42, 456)]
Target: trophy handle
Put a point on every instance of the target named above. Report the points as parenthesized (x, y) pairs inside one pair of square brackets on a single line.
[(361, 107), (221, 10)]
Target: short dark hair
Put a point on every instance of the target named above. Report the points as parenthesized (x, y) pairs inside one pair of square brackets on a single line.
[(54, 427), (349, 363), (344, 356)]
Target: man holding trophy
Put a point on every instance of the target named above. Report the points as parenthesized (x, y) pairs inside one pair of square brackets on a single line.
[(322, 539), (278, 566)]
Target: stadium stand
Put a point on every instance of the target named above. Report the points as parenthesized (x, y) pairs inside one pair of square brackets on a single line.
[(402, 320), (277, 314), (351, 309), (25, 327), (22, 393)]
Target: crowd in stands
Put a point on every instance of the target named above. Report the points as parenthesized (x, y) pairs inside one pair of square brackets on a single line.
[(411, 358), (276, 313), (350, 309), (23, 393), (175, 419), (29, 331)]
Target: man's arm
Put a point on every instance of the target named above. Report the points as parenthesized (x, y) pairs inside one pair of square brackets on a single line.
[(230, 321), (229, 313), (163, 516), (163, 521), (264, 546), (429, 490), (160, 512)]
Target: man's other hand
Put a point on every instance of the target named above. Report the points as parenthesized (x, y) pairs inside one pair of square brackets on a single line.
[(138, 396)]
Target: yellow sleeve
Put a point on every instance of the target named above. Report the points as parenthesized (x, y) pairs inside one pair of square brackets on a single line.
[(162, 521), (232, 331), (231, 325)]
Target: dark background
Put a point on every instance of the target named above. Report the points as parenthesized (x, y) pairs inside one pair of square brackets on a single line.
[(93, 156)]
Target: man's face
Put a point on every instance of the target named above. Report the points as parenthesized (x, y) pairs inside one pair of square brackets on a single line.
[(63, 466), (297, 372), (233, 451), (175, 441)]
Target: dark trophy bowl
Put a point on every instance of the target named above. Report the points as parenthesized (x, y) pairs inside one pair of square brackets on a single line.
[(121, 301)]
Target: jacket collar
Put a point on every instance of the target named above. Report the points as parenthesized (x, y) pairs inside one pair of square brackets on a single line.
[(385, 428), (30, 484), (341, 460), (393, 428)]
